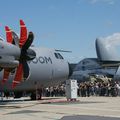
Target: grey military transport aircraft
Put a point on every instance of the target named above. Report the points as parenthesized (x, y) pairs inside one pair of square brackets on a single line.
[(108, 57), (106, 64), (23, 67)]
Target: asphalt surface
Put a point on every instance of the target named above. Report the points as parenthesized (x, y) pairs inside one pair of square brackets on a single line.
[(86, 108), (85, 117)]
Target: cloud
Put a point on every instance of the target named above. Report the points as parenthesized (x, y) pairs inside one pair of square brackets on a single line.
[(110, 2)]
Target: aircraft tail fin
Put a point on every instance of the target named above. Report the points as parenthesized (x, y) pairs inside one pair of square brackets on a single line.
[(106, 52)]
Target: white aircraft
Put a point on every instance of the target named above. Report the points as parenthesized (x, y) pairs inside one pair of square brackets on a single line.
[(23, 67)]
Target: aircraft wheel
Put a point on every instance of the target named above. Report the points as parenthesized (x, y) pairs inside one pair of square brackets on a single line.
[(18, 94), (33, 96)]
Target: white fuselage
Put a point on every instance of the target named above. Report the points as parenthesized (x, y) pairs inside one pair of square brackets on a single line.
[(46, 69)]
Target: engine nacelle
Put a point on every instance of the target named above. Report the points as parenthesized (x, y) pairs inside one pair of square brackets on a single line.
[(8, 63)]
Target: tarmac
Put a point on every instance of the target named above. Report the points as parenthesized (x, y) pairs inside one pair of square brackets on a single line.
[(58, 108)]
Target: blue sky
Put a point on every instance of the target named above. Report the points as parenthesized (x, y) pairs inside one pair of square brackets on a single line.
[(64, 24)]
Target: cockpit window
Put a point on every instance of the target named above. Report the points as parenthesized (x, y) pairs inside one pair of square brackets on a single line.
[(58, 56)]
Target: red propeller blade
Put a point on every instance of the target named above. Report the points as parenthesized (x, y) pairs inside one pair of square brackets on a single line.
[(23, 33), (8, 34), (5, 76), (9, 40), (18, 76)]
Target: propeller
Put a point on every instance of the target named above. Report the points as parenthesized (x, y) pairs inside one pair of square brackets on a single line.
[(9, 40), (27, 54), (24, 43)]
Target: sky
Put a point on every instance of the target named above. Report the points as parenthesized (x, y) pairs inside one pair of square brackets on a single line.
[(70, 25)]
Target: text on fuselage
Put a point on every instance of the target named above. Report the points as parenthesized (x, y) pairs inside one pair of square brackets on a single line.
[(42, 60)]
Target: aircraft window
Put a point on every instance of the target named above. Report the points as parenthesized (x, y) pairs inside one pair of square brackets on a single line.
[(58, 56)]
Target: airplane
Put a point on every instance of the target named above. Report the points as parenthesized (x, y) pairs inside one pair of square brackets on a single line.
[(108, 57), (24, 67), (90, 67), (106, 64)]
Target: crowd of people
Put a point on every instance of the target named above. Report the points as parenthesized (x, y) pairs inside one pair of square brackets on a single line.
[(111, 88), (56, 91), (86, 89)]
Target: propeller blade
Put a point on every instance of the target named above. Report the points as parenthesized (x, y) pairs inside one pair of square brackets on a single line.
[(23, 33), (9, 39), (21, 73), (5, 76), (18, 75), (8, 34), (26, 70), (29, 41)]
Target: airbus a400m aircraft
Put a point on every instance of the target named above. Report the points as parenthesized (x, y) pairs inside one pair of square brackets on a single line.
[(23, 66)]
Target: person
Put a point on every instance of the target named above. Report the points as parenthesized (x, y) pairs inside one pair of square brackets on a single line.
[(118, 88), (88, 89), (1, 95)]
